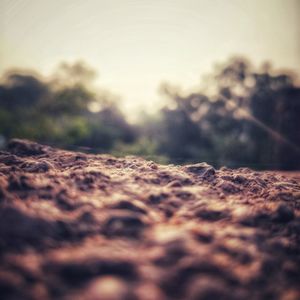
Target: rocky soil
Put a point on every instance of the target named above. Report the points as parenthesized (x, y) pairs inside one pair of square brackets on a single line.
[(95, 227)]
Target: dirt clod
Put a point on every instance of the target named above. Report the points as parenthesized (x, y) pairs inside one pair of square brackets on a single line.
[(81, 226)]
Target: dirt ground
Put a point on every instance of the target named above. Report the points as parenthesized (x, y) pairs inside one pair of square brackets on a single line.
[(95, 227)]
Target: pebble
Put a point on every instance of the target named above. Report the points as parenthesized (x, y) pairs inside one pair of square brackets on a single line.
[(284, 214)]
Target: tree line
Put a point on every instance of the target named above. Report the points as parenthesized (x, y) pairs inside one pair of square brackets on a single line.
[(241, 116)]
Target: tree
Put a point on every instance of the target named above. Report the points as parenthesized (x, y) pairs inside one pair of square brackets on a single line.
[(245, 116), (58, 111)]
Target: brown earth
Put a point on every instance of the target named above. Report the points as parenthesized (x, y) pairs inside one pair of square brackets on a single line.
[(77, 226)]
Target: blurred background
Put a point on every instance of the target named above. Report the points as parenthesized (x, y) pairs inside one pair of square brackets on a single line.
[(172, 81)]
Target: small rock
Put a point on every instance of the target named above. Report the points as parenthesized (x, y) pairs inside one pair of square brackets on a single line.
[(9, 159), (157, 198), (256, 219), (228, 187), (175, 184), (124, 224), (211, 214), (19, 183), (18, 229), (204, 237), (83, 270), (25, 147), (131, 206), (201, 169), (108, 288), (240, 179), (37, 167), (184, 195), (208, 288), (284, 214)]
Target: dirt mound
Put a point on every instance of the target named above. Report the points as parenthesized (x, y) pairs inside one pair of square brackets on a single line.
[(78, 226)]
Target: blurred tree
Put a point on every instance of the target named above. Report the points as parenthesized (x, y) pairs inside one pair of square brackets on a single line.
[(20, 95), (184, 138), (59, 111), (243, 117), (72, 74)]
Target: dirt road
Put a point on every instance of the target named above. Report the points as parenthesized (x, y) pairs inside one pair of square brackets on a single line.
[(95, 227)]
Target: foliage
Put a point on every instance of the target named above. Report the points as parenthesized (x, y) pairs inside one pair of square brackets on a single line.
[(243, 116), (58, 111)]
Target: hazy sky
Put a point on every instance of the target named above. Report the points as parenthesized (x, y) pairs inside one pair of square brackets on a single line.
[(136, 44)]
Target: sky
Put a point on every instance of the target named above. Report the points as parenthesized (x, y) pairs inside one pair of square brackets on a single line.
[(134, 45)]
